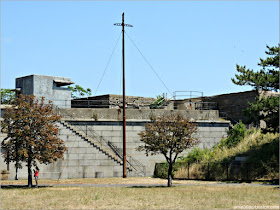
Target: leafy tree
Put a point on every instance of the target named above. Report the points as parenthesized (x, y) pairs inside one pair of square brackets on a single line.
[(169, 135), (78, 92), (266, 79), (32, 135), (7, 96)]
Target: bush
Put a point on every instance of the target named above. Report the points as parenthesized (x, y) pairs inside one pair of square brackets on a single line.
[(196, 155), (235, 135), (161, 169)]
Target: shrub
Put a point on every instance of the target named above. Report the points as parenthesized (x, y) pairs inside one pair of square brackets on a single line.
[(161, 169), (235, 135), (196, 155)]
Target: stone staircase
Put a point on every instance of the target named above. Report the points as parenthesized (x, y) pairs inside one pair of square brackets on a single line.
[(107, 148), (96, 144)]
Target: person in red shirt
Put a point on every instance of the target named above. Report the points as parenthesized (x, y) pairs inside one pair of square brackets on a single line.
[(36, 175)]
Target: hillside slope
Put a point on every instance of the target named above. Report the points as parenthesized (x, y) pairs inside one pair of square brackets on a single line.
[(259, 152)]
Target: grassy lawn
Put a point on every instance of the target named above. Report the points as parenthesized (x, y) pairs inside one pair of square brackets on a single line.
[(114, 180), (178, 197)]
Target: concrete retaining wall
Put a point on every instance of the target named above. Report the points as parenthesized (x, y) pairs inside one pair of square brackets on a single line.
[(209, 134), (83, 160)]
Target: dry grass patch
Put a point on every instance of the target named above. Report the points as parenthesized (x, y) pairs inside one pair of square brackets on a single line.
[(114, 180), (179, 197), (64, 188)]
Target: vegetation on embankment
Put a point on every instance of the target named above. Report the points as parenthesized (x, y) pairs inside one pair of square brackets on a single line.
[(218, 163)]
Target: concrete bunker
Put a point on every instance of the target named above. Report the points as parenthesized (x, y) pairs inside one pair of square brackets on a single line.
[(93, 135), (52, 88)]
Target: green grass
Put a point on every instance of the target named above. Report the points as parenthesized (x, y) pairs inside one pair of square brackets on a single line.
[(179, 197)]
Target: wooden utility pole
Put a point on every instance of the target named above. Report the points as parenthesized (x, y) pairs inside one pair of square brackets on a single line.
[(124, 120)]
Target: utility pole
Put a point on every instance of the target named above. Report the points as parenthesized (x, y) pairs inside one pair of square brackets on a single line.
[(124, 120)]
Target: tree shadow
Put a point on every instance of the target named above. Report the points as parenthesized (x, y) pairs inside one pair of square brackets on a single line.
[(23, 186), (156, 186)]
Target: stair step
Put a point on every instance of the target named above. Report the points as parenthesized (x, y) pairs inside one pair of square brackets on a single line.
[(95, 144), (99, 146)]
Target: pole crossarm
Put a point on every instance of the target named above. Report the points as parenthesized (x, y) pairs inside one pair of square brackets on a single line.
[(120, 24)]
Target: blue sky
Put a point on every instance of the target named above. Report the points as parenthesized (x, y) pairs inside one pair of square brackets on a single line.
[(192, 45)]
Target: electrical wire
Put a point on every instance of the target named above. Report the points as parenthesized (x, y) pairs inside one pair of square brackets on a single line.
[(107, 65), (149, 64)]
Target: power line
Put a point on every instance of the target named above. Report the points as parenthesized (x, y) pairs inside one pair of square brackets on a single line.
[(107, 65), (149, 64)]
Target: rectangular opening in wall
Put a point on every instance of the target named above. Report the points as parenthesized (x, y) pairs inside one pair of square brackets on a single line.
[(99, 175)]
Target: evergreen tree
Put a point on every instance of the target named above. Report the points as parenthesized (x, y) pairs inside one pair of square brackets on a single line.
[(266, 79)]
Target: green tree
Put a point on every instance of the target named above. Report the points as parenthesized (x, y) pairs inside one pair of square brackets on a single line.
[(169, 135), (32, 135), (79, 92), (266, 79), (7, 96)]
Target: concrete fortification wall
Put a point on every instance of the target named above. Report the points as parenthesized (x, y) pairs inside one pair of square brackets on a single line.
[(88, 132), (134, 114)]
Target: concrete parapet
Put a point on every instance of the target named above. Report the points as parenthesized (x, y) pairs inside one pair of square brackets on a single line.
[(82, 114)]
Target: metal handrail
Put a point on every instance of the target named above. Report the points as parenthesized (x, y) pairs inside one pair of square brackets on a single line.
[(89, 103), (132, 162), (189, 95), (157, 104)]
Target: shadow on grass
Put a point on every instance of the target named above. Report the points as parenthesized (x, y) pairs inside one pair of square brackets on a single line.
[(23, 186), (157, 186), (264, 182)]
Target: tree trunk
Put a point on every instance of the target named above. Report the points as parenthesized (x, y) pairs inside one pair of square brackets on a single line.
[(16, 178), (29, 173), (169, 184)]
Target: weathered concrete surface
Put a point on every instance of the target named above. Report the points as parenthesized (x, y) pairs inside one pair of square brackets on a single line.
[(134, 114), (84, 160), (209, 134), (112, 101), (49, 87), (233, 104)]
